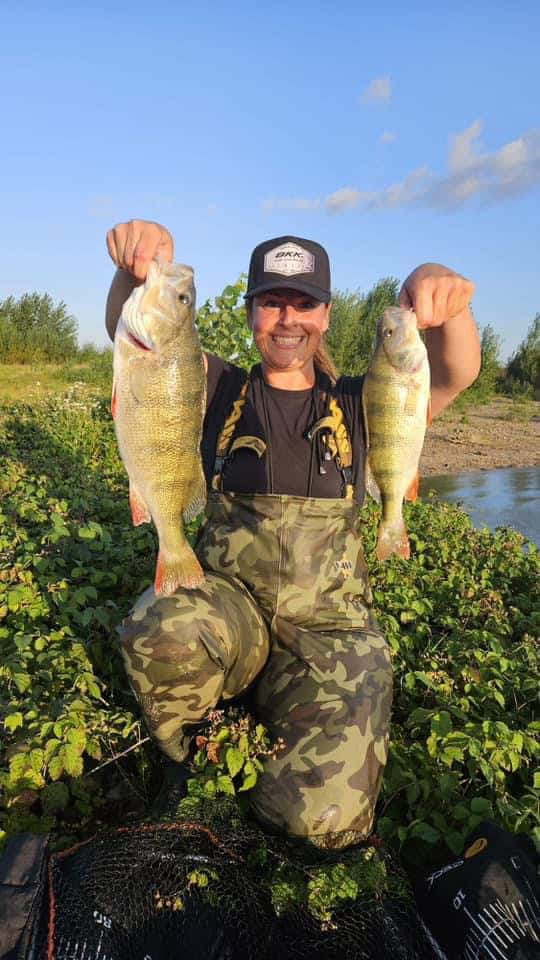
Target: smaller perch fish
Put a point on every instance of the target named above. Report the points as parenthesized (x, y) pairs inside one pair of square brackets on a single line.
[(158, 407), (395, 400)]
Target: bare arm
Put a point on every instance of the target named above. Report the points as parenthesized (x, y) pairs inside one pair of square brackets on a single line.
[(121, 287), (440, 297), (454, 358)]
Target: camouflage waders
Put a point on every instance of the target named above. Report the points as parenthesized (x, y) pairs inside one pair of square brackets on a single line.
[(285, 602)]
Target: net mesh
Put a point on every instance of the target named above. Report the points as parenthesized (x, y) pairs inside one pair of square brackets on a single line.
[(218, 887)]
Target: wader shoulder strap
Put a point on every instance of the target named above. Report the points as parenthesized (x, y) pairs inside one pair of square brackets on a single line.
[(337, 442), (226, 445)]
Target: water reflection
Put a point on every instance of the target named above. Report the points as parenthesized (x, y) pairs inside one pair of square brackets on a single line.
[(494, 498)]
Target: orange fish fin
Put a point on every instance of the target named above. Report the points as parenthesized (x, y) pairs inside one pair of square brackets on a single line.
[(414, 487), (196, 499), (429, 415), (392, 538), (114, 401), (177, 570), (139, 511)]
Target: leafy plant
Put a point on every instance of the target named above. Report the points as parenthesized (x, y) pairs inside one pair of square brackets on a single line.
[(229, 757), (223, 328), (353, 322), (33, 328), (523, 370)]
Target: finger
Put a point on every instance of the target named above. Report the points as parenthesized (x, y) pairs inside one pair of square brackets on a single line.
[(440, 305), (422, 304), (404, 298), (145, 249), (133, 231), (460, 297), (111, 247), (165, 248)]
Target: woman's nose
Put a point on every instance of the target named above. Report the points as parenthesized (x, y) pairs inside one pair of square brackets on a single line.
[(288, 314)]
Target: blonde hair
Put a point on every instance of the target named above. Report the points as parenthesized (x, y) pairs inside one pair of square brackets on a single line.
[(323, 361)]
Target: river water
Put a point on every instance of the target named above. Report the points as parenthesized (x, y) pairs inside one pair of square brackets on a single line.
[(494, 498)]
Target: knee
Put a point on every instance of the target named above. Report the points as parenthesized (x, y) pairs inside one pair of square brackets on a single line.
[(165, 634)]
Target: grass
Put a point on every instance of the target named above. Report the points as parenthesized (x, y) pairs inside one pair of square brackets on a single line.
[(34, 382)]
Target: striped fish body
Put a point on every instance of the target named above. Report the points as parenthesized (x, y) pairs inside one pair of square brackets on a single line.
[(395, 400), (158, 407)]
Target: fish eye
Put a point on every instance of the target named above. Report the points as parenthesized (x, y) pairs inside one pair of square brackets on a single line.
[(387, 332), (184, 298)]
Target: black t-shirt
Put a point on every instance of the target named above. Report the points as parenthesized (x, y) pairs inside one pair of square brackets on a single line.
[(282, 419)]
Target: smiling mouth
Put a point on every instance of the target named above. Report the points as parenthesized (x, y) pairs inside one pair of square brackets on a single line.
[(287, 341)]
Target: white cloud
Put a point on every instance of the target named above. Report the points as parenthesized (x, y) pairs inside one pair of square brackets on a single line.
[(472, 175), (461, 154), (378, 91), (344, 199), (291, 203), (388, 136)]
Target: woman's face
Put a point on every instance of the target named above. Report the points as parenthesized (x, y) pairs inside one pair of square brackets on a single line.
[(287, 328)]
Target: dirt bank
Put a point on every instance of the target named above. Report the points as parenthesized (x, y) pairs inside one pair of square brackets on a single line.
[(502, 433)]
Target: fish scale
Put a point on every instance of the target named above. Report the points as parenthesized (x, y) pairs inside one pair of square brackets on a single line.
[(158, 407), (395, 399)]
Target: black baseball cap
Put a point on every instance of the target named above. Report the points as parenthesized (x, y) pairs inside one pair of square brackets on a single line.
[(291, 263)]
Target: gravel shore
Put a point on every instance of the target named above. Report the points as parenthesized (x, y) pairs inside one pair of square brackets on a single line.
[(501, 433)]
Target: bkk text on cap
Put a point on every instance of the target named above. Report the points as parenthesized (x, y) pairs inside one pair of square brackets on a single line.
[(290, 263)]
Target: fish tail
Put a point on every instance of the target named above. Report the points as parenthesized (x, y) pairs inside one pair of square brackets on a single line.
[(174, 570), (392, 538)]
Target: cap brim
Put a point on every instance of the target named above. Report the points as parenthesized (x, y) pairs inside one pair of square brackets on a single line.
[(290, 283)]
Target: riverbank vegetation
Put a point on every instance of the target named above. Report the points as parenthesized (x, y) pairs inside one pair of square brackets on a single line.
[(461, 618)]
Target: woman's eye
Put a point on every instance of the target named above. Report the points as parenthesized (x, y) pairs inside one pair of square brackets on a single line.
[(184, 298)]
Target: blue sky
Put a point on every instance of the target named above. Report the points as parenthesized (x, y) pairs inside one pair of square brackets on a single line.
[(392, 133)]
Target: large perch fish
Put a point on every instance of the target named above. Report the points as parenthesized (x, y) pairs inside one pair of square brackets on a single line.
[(158, 406), (395, 399)]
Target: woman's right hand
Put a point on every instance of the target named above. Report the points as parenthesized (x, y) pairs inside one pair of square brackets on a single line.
[(134, 244)]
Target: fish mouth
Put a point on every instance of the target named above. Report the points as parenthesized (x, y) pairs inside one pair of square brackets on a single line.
[(137, 343)]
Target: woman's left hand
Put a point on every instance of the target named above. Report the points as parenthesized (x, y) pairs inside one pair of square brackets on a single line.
[(436, 294)]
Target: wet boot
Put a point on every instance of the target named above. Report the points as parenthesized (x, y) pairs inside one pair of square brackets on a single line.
[(173, 789)]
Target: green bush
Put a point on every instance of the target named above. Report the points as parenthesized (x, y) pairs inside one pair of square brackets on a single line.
[(523, 370), (354, 317), (34, 329), (223, 328), (461, 618), (488, 380)]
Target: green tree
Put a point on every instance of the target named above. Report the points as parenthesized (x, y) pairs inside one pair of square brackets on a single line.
[(524, 366), (490, 371), (34, 328), (354, 319), (223, 327)]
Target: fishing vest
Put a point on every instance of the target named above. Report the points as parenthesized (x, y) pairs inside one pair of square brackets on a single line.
[(329, 434)]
